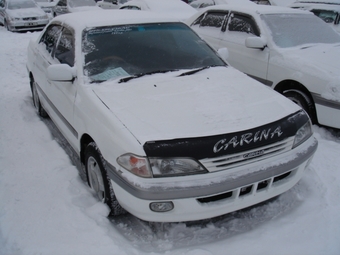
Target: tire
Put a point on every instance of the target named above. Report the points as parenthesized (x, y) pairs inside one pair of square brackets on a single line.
[(36, 101), (6, 26), (98, 180), (303, 100)]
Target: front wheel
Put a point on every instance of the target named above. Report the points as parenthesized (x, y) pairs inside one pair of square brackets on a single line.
[(98, 179), (303, 100), (36, 101), (7, 26)]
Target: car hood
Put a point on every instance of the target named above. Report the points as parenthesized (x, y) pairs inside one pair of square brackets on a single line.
[(316, 59), (24, 13), (218, 100)]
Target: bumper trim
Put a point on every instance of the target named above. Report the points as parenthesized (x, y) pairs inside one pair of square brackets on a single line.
[(325, 102), (208, 187)]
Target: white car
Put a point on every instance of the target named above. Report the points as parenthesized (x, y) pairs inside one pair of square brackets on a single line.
[(22, 15), (164, 128), (70, 6), (292, 51), (47, 6), (171, 8), (328, 11), (111, 4)]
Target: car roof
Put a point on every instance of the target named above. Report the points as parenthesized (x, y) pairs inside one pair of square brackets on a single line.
[(258, 9), (319, 1), (320, 6), (174, 8), (81, 20)]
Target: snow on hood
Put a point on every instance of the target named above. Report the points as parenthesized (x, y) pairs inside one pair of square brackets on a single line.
[(24, 13), (215, 101), (323, 57), (321, 61)]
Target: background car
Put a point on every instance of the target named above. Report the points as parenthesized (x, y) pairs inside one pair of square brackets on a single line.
[(328, 11), (198, 4), (47, 6), (164, 128), (111, 4), (275, 45), (69, 6), (171, 8), (22, 15)]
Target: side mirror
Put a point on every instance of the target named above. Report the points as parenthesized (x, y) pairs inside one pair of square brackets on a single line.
[(61, 72), (223, 53), (256, 42)]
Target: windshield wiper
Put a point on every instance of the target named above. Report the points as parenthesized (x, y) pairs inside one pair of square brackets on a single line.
[(196, 70), (126, 79)]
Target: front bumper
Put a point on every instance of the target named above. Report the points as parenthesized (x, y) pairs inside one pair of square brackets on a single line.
[(209, 195), (17, 26)]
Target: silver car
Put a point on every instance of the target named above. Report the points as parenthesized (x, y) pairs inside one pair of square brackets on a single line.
[(22, 15)]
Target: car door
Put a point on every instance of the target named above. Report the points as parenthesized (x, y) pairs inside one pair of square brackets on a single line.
[(209, 26), (59, 96), (253, 62)]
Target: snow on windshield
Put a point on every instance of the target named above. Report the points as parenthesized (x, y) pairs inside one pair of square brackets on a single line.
[(290, 30), (112, 52), (14, 5)]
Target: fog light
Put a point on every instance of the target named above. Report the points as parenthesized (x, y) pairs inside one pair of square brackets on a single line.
[(161, 206)]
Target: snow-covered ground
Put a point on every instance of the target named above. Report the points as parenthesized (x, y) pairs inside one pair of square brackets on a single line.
[(45, 207)]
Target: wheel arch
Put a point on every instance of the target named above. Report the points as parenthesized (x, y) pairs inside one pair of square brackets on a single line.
[(84, 141), (285, 85), (31, 77)]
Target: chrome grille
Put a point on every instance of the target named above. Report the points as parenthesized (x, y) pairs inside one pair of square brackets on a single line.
[(30, 19), (246, 157)]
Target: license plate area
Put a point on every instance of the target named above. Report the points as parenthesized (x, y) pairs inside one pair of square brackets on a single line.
[(30, 24)]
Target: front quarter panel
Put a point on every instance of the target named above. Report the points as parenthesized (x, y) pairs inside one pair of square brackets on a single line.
[(94, 118)]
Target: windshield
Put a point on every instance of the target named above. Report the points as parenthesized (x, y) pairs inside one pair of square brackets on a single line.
[(290, 30), (117, 51), (13, 5), (80, 3)]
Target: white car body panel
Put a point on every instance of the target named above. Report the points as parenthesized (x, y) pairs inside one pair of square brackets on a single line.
[(123, 117)]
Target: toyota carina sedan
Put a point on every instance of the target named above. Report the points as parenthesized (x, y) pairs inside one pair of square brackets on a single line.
[(164, 128)]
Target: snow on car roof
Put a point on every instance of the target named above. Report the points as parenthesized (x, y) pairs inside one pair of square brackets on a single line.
[(259, 9), (173, 8), (81, 20), (316, 5)]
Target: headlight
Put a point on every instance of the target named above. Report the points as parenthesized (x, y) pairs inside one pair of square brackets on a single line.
[(159, 167), (43, 17), (303, 134), (135, 164), (14, 18), (163, 167)]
